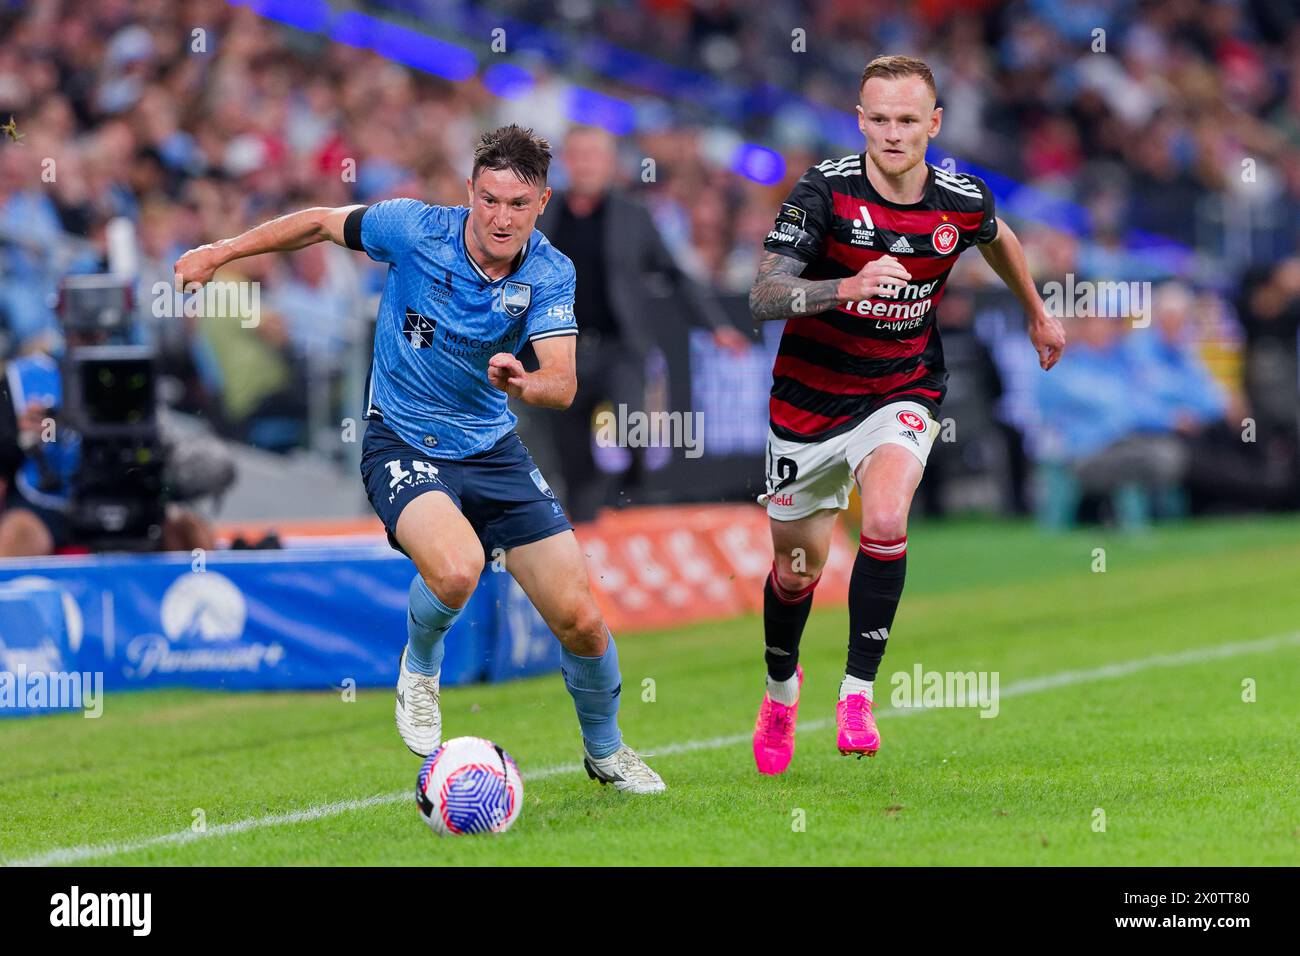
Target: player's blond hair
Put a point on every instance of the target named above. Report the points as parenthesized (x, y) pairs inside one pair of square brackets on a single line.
[(897, 67)]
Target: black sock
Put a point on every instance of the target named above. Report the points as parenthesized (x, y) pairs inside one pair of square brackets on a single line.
[(784, 615), (874, 590)]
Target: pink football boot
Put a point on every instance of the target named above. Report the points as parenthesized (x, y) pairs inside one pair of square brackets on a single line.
[(774, 733), (858, 733)]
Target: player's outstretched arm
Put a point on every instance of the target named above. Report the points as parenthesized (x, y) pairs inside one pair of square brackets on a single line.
[(294, 231), (779, 293), (1006, 257), (553, 385)]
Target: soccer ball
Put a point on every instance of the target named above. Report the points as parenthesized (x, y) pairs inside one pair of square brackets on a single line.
[(469, 785)]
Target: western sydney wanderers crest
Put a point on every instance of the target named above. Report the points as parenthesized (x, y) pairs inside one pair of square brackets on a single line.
[(515, 297), (913, 424), (944, 238), (911, 420)]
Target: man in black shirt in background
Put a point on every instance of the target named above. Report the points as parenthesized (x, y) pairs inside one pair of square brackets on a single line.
[(615, 247)]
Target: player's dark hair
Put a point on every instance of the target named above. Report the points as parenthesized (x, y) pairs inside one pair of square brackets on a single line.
[(897, 67), (519, 150)]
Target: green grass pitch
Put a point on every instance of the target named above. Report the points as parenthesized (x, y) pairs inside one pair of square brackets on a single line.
[(1122, 702)]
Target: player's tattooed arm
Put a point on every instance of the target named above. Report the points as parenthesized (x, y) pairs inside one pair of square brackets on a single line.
[(284, 234), (779, 293)]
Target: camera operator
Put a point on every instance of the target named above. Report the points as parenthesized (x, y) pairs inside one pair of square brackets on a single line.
[(46, 466)]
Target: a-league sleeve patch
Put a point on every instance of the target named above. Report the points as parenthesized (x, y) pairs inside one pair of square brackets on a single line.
[(793, 214)]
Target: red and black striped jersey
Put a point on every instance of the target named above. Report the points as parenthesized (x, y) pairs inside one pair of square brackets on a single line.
[(835, 368)]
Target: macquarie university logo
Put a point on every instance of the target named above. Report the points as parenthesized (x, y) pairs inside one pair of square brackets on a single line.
[(418, 329), (515, 298)]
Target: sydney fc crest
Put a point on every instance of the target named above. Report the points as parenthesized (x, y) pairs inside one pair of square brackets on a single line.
[(540, 482), (515, 297)]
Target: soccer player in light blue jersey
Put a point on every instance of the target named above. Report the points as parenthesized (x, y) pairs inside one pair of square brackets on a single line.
[(443, 466)]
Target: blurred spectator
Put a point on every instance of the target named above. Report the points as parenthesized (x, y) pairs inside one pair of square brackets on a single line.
[(250, 365), (317, 290), (1181, 398), (30, 235), (616, 251), (1269, 312), (1099, 441), (1176, 391)]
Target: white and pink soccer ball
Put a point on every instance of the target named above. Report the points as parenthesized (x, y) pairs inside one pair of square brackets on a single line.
[(469, 785)]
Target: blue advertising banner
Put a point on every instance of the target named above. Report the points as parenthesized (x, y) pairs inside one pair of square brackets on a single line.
[(254, 620), (35, 674)]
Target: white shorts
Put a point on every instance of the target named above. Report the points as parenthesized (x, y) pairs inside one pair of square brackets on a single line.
[(804, 477)]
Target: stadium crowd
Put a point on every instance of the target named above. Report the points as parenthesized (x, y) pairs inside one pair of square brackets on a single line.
[(195, 121)]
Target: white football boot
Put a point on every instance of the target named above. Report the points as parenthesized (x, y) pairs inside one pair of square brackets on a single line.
[(625, 770), (419, 720)]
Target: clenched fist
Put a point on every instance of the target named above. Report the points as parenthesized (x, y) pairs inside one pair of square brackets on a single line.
[(505, 372), (198, 265), (880, 277)]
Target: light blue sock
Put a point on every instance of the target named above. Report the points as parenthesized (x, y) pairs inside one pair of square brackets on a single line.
[(595, 684), (427, 621)]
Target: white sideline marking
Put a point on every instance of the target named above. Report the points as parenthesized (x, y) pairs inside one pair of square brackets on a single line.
[(1198, 655)]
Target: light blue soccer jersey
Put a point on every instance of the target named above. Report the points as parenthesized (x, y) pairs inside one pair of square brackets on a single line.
[(440, 320), (37, 378)]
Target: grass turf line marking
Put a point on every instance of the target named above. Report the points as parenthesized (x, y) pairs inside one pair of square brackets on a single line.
[(70, 855)]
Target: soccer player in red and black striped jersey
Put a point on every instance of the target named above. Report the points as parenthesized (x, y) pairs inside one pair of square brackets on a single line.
[(856, 265)]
